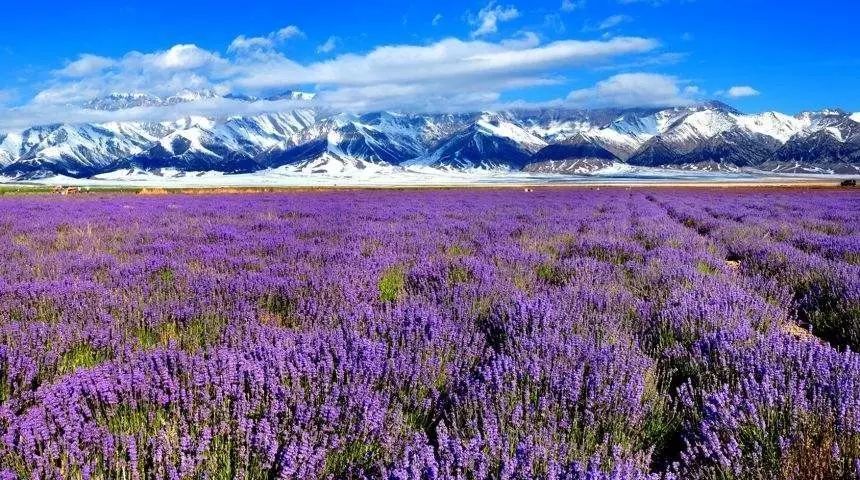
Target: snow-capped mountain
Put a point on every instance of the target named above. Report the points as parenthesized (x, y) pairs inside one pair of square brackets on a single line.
[(122, 101), (308, 138), (830, 139), (493, 140), (578, 154), (349, 142), (719, 137), (80, 150), (292, 95)]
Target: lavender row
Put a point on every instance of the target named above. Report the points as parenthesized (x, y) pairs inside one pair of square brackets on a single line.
[(610, 334)]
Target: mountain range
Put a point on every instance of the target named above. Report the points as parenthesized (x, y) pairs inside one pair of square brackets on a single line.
[(310, 138)]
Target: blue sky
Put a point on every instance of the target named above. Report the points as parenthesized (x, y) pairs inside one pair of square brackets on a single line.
[(755, 55)]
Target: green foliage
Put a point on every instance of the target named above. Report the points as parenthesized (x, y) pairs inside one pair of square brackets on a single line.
[(836, 321), (663, 427), (278, 310), (457, 251), (823, 304), (550, 274), (706, 268), (5, 390), (612, 255), (392, 284), (81, 356), (144, 420), (190, 336), (458, 275), (355, 459), (165, 276)]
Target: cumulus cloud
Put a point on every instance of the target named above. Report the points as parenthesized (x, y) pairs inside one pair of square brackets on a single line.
[(657, 59), (449, 74), (288, 32), (446, 60), (635, 89), (19, 118), (176, 58), (270, 41), (6, 96), (86, 64), (437, 19), (249, 43), (329, 45), (488, 19), (741, 91), (163, 72)]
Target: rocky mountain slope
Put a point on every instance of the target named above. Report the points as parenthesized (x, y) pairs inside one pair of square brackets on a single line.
[(311, 139)]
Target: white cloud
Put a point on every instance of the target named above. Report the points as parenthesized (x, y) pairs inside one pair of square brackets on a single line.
[(692, 90), (639, 63), (571, 5), (271, 40), (162, 72), (437, 19), (489, 17), (328, 45), (249, 43), (288, 32), (450, 74), (7, 96), (411, 97), (86, 64), (449, 60), (635, 89), (613, 21), (19, 118), (741, 91), (177, 57)]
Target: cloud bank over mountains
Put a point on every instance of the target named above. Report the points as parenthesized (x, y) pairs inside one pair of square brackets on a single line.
[(487, 70), (450, 75)]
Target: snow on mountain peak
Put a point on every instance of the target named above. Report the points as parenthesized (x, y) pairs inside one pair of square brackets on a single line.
[(835, 133), (717, 106), (187, 141), (832, 112), (121, 101), (124, 100), (187, 95), (309, 139), (293, 95), (699, 125), (194, 121), (773, 124), (495, 125)]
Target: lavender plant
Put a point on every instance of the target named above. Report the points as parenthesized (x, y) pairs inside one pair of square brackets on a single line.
[(453, 334)]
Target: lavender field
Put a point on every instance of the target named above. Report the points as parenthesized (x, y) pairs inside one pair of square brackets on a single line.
[(462, 334)]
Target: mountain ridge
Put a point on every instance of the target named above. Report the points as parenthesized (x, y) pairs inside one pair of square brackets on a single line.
[(311, 139)]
